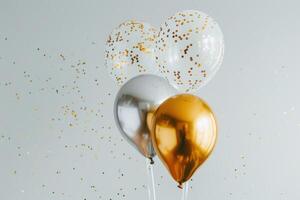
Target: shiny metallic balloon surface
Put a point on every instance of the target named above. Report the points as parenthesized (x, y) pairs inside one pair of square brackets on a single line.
[(134, 106), (184, 133)]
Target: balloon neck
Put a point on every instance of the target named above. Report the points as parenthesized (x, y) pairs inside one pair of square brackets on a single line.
[(180, 185), (151, 161)]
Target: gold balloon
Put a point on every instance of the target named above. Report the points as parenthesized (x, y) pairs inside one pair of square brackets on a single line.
[(184, 133)]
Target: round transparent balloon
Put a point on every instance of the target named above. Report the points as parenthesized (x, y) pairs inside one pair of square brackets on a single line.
[(130, 51), (189, 49)]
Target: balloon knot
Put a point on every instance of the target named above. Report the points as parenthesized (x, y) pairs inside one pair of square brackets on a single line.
[(151, 161), (180, 185)]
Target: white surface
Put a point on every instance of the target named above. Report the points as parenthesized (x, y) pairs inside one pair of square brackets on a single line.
[(49, 152)]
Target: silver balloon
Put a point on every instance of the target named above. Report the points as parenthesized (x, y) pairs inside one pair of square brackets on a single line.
[(134, 106)]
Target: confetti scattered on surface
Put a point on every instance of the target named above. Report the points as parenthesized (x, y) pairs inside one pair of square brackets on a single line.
[(52, 63)]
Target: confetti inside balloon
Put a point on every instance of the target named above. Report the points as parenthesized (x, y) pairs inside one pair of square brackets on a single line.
[(129, 51), (189, 49)]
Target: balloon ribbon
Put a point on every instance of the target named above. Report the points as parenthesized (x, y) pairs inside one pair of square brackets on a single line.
[(151, 182), (185, 191)]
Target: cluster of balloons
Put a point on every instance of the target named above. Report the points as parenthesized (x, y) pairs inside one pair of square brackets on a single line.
[(153, 68)]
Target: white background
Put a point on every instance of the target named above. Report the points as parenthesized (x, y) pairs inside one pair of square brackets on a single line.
[(58, 139)]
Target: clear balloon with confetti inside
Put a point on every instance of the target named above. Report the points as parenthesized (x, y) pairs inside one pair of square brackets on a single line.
[(130, 51), (189, 49)]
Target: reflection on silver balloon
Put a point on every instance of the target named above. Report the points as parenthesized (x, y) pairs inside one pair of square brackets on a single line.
[(134, 106)]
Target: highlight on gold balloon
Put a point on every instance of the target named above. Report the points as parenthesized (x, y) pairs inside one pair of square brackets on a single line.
[(152, 68), (184, 133)]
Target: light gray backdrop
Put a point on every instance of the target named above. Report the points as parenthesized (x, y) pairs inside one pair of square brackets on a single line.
[(58, 139)]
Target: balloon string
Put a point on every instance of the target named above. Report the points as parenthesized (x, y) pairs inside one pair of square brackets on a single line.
[(185, 191), (151, 183)]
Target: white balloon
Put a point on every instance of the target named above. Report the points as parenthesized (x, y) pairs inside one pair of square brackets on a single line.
[(130, 51), (189, 49)]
